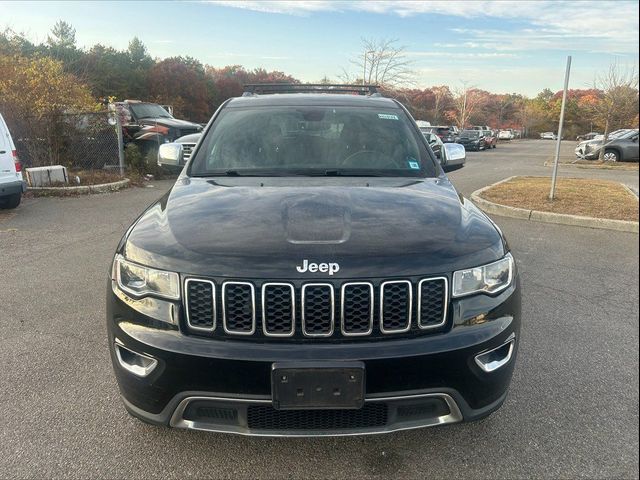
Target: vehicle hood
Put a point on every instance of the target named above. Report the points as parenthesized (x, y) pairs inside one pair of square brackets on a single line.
[(191, 138), (592, 143), (170, 122), (265, 227)]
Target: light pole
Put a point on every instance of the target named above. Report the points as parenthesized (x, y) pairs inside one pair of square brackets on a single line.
[(364, 65), (554, 174), (464, 103)]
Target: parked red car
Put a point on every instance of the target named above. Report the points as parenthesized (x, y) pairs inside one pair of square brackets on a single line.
[(490, 138)]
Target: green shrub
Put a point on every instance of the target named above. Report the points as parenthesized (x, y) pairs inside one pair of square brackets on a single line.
[(134, 158)]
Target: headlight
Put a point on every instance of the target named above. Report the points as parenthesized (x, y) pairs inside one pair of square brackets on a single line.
[(491, 278), (139, 281)]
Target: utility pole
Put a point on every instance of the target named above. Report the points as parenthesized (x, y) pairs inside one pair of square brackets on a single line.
[(364, 68), (464, 104), (120, 144), (554, 175), (364, 65), (464, 107)]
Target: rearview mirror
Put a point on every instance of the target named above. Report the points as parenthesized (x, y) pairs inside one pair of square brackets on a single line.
[(170, 154)]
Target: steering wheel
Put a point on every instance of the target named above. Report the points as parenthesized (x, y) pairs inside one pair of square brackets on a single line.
[(345, 162)]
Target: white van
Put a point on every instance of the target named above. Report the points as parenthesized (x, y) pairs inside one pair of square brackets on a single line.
[(12, 185)]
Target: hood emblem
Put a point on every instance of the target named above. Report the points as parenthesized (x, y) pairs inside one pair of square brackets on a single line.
[(307, 266)]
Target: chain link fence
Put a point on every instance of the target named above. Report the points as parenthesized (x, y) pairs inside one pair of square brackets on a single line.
[(78, 141)]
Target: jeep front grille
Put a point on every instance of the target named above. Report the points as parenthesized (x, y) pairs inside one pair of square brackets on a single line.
[(239, 308), (201, 298), (306, 310), (278, 309), (318, 310), (395, 306)]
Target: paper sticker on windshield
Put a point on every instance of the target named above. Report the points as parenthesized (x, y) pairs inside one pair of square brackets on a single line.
[(413, 165), (387, 116)]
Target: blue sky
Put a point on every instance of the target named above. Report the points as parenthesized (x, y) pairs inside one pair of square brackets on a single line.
[(504, 46)]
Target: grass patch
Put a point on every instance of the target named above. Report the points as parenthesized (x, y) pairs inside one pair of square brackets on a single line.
[(91, 177), (595, 164), (574, 196), (608, 165)]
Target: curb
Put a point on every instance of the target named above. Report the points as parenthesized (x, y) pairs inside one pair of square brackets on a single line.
[(81, 190), (592, 167), (630, 190), (548, 217)]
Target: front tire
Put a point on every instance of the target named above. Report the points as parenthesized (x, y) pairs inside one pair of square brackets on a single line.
[(12, 201), (611, 156)]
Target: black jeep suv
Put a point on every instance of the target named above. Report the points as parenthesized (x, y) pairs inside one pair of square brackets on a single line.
[(312, 272)]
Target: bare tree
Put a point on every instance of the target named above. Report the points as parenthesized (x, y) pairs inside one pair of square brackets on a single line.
[(442, 98), (619, 103), (466, 100), (382, 62)]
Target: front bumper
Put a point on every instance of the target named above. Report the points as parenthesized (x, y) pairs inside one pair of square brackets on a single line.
[(470, 146), (587, 153), (225, 385)]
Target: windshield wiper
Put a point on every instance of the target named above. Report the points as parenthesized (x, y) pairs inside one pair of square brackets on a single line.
[(342, 172)]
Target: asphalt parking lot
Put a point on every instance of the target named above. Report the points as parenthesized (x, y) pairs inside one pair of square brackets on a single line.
[(572, 410)]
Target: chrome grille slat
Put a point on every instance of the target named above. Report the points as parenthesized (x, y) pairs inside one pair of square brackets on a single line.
[(433, 302), (315, 304), (238, 308), (318, 311), (187, 150), (278, 309), (200, 296), (356, 309), (396, 302)]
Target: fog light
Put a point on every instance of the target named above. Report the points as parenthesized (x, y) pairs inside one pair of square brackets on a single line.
[(135, 363), (495, 358)]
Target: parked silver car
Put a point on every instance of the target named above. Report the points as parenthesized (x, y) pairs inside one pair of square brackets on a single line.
[(622, 146)]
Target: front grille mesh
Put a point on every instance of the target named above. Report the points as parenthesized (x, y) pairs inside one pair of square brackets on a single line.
[(318, 310), (200, 298), (263, 417), (315, 310), (357, 311), (278, 309), (432, 302), (187, 150), (396, 310), (239, 308)]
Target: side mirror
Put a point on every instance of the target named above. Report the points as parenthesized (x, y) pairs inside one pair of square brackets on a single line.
[(454, 152), (170, 155)]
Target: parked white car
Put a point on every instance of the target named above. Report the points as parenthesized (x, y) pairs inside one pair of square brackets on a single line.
[(12, 185), (505, 135), (548, 136)]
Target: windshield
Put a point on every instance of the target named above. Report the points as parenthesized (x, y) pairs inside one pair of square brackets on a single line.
[(148, 110), (626, 134), (313, 140), (470, 133)]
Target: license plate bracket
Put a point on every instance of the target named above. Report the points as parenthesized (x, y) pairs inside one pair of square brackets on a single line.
[(321, 385)]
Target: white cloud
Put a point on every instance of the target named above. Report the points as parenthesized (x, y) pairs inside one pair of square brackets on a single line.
[(607, 25), (288, 7), (468, 55)]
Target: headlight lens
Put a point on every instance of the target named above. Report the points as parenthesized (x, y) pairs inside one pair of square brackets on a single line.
[(491, 278), (139, 281)]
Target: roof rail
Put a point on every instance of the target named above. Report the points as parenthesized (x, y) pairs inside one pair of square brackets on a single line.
[(268, 88)]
